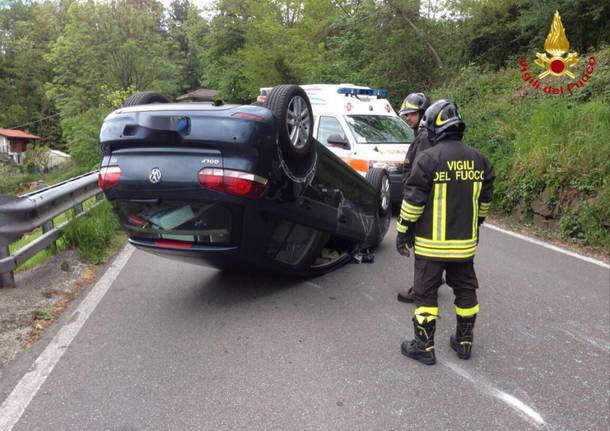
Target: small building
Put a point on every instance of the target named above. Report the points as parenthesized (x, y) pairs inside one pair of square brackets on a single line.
[(201, 95), (13, 143), (56, 158)]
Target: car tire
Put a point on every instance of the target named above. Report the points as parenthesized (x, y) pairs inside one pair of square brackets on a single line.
[(145, 98), (292, 110), (318, 271), (380, 180)]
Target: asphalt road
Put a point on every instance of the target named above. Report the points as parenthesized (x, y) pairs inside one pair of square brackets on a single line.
[(178, 347)]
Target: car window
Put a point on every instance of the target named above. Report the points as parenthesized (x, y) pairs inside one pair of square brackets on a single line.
[(379, 129), (197, 222), (291, 243), (329, 126)]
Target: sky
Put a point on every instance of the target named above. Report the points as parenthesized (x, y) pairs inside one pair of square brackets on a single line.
[(199, 3)]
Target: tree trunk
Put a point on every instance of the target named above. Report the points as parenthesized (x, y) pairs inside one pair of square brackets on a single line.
[(417, 31)]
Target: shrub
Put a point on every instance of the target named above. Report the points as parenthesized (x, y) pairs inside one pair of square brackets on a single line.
[(11, 179), (92, 233), (36, 159)]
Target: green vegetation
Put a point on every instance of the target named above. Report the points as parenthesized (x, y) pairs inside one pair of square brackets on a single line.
[(43, 315), (551, 152), (17, 180), (64, 64), (92, 233)]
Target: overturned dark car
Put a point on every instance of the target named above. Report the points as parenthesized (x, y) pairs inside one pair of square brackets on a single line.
[(238, 186)]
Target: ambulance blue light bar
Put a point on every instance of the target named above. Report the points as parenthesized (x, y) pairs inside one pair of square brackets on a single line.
[(362, 92)]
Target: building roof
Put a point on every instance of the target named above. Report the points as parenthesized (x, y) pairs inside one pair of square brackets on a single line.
[(203, 94), (18, 134)]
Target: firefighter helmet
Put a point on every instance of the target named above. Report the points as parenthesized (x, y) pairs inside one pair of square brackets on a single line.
[(443, 117), (414, 102)]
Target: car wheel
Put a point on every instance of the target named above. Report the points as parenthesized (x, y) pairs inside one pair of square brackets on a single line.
[(380, 180), (292, 110), (145, 98)]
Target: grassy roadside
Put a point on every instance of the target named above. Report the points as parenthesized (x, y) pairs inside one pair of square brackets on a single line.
[(91, 234), (549, 236), (551, 152), (17, 180)]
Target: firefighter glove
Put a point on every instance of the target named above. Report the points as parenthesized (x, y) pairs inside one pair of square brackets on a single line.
[(480, 221), (402, 244), (406, 240)]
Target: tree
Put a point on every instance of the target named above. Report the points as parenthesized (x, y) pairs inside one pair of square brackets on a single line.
[(222, 62), (113, 46), (188, 30), (410, 22), (494, 31), (27, 32)]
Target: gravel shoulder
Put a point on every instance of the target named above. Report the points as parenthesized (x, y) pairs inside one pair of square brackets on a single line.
[(39, 298)]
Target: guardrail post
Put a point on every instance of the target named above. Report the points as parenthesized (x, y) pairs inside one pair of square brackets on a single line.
[(78, 209), (7, 279), (47, 227)]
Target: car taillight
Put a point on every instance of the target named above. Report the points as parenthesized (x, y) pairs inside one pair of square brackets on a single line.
[(108, 176), (211, 178), (236, 183)]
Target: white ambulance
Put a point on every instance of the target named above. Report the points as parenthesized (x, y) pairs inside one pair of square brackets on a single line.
[(359, 125)]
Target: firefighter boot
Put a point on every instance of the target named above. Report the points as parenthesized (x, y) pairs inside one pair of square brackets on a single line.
[(406, 295), (461, 341), (421, 348)]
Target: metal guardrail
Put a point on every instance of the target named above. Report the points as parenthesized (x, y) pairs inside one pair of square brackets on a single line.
[(23, 214)]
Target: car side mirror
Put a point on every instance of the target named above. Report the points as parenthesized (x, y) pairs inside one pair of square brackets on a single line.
[(338, 141)]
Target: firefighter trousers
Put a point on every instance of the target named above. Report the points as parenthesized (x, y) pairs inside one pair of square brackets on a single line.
[(460, 277)]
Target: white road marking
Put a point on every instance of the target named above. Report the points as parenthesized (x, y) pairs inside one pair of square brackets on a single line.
[(395, 320), (529, 413), (595, 342), (519, 405), (312, 284), (549, 246), (18, 400)]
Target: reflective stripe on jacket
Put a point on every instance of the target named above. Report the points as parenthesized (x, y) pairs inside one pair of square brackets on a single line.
[(450, 187)]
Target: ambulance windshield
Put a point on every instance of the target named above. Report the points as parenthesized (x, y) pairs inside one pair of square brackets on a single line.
[(379, 129)]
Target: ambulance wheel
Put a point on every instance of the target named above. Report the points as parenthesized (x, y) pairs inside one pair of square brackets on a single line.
[(145, 98), (292, 110), (380, 180)]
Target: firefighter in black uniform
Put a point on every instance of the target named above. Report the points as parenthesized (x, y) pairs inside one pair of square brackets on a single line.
[(412, 110), (447, 197)]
